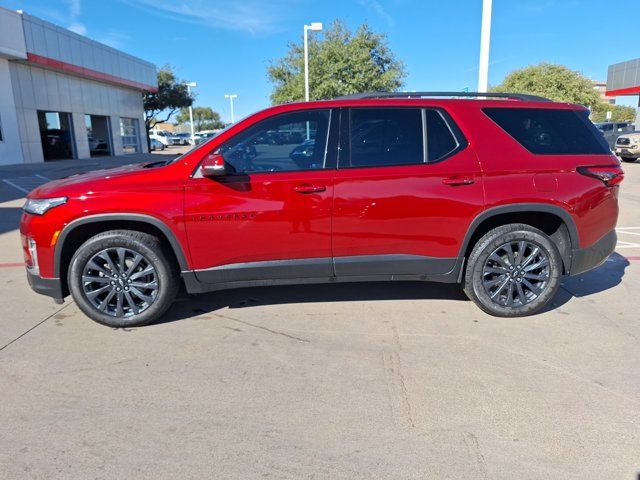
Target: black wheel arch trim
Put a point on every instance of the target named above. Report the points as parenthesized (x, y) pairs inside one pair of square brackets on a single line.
[(106, 217), (522, 208)]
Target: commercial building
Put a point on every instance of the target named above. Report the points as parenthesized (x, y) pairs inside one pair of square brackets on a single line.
[(63, 95), (601, 88), (624, 79)]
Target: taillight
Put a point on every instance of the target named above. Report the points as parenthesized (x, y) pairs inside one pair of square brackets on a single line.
[(609, 175)]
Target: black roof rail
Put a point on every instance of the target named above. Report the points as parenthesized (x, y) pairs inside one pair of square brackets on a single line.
[(513, 96)]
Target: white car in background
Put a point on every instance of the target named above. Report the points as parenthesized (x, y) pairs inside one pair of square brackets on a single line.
[(161, 136)]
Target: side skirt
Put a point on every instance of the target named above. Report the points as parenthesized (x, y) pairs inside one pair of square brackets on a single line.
[(209, 280)]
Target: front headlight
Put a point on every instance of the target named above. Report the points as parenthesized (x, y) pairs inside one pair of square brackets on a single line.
[(40, 206)]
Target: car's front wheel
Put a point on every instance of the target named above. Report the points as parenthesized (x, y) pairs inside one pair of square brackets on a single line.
[(628, 159), (122, 278), (513, 271)]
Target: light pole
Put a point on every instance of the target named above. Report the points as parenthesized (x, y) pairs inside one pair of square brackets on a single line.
[(314, 27), (485, 38), (231, 96), (189, 85)]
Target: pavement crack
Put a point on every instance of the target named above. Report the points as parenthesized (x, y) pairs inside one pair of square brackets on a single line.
[(35, 326), (400, 404), (473, 446), (275, 332)]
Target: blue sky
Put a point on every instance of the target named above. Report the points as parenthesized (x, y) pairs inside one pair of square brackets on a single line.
[(226, 45)]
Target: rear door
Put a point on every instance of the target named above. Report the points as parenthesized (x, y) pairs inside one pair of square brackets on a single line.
[(406, 186)]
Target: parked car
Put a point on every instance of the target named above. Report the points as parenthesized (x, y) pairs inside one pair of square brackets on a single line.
[(173, 138), (161, 136), (98, 146), (628, 147), (201, 137), (156, 145), (490, 191), (182, 138), (612, 130)]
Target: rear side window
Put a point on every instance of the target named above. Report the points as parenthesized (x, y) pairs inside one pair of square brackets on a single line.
[(551, 131), (386, 136), (440, 139)]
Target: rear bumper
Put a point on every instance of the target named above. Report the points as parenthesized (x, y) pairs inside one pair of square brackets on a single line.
[(585, 259), (51, 287)]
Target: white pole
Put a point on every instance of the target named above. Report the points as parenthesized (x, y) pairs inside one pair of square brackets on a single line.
[(306, 65), (193, 136), (231, 96), (485, 38)]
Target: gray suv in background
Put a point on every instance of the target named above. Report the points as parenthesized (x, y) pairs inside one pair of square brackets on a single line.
[(612, 130)]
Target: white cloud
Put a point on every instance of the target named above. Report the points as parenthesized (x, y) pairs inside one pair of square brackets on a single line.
[(78, 28), (376, 7), (115, 39), (74, 8), (254, 16)]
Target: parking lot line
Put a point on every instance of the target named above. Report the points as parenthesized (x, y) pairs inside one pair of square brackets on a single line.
[(10, 183)]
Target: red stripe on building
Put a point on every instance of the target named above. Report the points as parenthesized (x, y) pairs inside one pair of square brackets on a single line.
[(623, 91), (86, 72)]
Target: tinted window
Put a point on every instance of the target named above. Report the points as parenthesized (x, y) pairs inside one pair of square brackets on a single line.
[(550, 131), (440, 139), (385, 136), (291, 141)]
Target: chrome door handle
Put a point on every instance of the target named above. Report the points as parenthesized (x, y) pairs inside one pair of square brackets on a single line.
[(456, 181), (308, 188)]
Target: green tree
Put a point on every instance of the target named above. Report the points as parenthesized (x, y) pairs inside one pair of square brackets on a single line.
[(562, 84), (340, 63), (204, 118), (555, 82), (619, 113), (172, 95)]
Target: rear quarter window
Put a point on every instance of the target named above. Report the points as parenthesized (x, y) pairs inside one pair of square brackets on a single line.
[(551, 131)]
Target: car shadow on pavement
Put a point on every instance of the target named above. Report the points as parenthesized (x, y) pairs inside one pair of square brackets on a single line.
[(605, 277), (188, 306)]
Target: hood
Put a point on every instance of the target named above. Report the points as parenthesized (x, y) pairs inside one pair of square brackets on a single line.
[(630, 135), (94, 181)]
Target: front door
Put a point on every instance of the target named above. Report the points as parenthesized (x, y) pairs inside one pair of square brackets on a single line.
[(270, 216), (405, 187)]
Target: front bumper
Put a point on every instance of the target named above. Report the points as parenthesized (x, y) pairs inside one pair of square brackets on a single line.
[(629, 151), (51, 287), (584, 259)]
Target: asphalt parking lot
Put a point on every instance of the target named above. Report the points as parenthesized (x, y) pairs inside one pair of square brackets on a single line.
[(370, 381)]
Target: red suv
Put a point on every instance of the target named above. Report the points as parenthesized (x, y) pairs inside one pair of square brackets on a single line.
[(502, 193)]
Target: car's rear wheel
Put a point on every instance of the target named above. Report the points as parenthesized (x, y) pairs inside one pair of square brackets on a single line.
[(122, 278), (628, 159), (513, 271)]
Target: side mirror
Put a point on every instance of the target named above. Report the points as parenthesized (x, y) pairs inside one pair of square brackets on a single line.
[(213, 166)]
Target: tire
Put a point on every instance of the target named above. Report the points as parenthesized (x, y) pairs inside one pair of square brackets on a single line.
[(628, 159), (491, 267), (145, 290)]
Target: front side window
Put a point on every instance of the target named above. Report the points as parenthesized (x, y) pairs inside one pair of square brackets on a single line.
[(547, 131), (385, 137), (287, 142)]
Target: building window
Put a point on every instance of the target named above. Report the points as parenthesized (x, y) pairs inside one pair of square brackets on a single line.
[(130, 134), (56, 134)]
